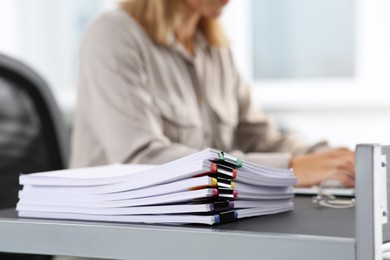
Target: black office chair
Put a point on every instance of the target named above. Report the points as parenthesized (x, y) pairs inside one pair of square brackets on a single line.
[(33, 136)]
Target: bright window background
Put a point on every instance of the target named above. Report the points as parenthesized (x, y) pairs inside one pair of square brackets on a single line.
[(321, 67), (46, 35), (303, 38)]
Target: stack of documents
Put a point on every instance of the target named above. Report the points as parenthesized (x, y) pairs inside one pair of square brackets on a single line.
[(209, 187)]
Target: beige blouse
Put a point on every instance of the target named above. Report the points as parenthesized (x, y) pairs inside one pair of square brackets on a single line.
[(140, 102)]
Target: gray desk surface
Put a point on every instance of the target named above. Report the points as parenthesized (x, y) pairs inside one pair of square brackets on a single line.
[(306, 219), (298, 234)]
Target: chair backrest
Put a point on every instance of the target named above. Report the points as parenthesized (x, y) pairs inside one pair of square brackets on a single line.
[(33, 136)]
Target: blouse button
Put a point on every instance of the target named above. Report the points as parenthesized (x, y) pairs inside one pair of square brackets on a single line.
[(200, 100)]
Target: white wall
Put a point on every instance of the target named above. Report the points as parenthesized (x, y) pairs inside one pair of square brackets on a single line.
[(340, 128)]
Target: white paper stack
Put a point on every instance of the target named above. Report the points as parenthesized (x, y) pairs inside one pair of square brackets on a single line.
[(209, 187)]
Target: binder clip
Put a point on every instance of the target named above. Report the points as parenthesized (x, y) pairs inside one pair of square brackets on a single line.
[(223, 171), (228, 160), (226, 217), (224, 183), (227, 193), (220, 206)]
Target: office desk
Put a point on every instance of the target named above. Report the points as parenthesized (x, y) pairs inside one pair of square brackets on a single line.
[(308, 232)]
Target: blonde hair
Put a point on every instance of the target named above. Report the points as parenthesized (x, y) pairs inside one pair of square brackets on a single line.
[(161, 18)]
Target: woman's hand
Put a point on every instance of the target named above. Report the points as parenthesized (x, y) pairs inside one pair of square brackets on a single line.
[(311, 169)]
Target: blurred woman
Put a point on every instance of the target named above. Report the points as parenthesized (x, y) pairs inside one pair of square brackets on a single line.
[(157, 82)]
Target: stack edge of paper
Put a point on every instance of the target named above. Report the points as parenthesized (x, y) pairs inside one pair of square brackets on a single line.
[(209, 187)]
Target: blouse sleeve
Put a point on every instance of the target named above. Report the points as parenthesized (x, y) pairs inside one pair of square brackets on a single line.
[(258, 137)]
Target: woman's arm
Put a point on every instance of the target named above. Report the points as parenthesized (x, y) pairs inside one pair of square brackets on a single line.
[(336, 164), (258, 136)]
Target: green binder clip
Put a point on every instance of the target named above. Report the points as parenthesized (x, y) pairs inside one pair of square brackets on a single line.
[(230, 160)]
